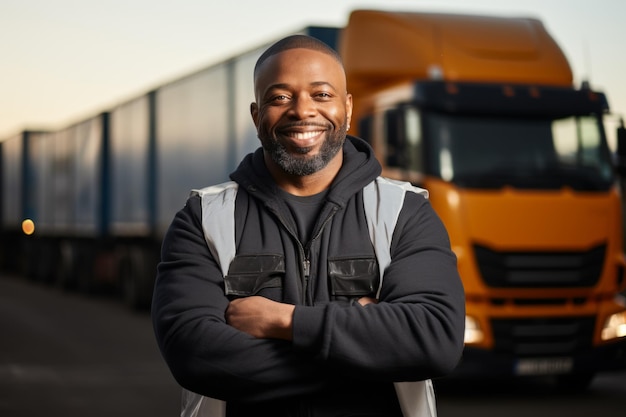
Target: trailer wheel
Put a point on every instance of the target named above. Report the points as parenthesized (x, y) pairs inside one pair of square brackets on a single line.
[(136, 278), (127, 274), (66, 266), (47, 258), (85, 272)]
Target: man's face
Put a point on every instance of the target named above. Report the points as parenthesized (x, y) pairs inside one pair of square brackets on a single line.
[(302, 109)]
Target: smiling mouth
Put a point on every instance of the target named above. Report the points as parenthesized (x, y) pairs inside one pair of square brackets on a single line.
[(304, 135)]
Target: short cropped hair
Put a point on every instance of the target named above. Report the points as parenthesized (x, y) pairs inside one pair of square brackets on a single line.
[(293, 42)]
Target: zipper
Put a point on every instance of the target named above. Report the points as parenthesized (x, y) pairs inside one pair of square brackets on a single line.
[(306, 262), (305, 270)]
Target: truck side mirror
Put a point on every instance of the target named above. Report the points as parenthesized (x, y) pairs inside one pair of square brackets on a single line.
[(621, 149)]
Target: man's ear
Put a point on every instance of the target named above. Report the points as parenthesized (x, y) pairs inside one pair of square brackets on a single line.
[(349, 108), (254, 111)]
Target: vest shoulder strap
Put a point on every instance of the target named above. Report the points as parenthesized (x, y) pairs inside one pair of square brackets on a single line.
[(218, 221), (383, 200)]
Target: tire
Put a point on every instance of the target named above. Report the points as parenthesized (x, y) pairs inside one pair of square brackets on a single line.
[(136, 278), (85, 281), (46, 262), (66, 266)]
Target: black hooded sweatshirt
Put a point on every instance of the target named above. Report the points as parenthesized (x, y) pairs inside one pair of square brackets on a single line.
[(344, 357)]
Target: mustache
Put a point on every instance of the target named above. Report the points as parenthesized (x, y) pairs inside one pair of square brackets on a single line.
[(292, 125)]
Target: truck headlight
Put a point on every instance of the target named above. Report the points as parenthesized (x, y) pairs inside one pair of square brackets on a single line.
[(614, 326), (473, 332)]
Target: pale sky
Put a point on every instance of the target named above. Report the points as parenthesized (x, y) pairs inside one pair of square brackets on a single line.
[(65, 60)]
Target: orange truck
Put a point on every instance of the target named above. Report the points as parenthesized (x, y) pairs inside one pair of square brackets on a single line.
[(482, 112)]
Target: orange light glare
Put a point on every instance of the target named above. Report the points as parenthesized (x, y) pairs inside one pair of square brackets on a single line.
[(28, 227)]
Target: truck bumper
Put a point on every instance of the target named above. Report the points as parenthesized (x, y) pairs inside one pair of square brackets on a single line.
[(480, 362)]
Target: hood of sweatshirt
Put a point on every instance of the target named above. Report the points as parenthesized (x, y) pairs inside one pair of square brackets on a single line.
[(359, 168)]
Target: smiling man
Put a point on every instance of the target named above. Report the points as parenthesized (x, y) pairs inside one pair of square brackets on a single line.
[(308, 285)]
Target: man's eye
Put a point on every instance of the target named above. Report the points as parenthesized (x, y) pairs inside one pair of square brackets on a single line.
[(323, 95), (280, 98)]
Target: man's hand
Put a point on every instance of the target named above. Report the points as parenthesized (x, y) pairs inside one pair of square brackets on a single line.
[(261, 317), (367, 300)]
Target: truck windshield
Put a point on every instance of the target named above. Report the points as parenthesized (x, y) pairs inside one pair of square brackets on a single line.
[(489, 152)]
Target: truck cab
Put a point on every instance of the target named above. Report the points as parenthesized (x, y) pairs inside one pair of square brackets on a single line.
[(482, 112)]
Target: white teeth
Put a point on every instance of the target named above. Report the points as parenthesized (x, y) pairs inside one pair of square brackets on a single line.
[(303, 135)]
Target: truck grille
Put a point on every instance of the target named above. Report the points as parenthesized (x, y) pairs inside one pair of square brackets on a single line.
[(540, 269), (543, 337)]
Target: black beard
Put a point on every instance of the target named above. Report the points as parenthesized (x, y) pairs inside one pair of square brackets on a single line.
[(301, 164)]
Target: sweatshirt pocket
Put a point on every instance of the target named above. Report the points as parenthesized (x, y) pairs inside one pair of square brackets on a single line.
[(255, 275), (353, 277)]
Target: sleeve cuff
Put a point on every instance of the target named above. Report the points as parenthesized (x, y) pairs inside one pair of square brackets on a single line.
[(308, 327)]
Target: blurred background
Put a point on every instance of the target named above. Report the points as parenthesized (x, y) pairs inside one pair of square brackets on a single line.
[(64, 59), (110, 112)]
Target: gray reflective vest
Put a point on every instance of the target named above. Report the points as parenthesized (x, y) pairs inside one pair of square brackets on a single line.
[(382, 200)]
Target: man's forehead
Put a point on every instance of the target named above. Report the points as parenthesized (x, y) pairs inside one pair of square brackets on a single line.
[(308, 58), (306, 54), (297, 42)]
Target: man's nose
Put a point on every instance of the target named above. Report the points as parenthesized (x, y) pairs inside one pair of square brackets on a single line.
[(303, 107)]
